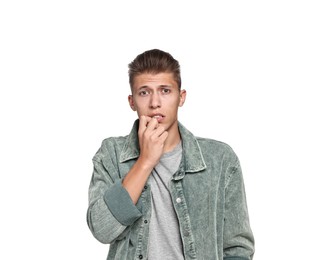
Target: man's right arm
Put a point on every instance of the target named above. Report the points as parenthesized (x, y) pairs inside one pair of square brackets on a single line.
[(112, 202), (152, 139), (111, 209)]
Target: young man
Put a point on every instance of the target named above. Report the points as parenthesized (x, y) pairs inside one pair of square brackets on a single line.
[(161, 192)]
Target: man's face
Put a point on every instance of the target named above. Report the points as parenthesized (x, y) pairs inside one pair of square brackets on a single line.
[(157, 95)]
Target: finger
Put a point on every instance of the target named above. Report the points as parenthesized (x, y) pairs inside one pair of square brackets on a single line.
[(158, 131), (143, 122), (153, 124), (163, 136)]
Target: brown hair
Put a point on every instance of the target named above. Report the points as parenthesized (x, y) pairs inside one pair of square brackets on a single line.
[(154, 61)]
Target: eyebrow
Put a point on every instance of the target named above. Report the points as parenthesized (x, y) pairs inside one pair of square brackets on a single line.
[(160, 86)]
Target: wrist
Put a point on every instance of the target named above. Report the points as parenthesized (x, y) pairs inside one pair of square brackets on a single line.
[(145, 164)]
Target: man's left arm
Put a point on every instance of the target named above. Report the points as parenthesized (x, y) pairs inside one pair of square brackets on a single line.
[(238, 237)]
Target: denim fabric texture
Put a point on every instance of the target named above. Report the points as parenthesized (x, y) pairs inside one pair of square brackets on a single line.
[(208, 194)]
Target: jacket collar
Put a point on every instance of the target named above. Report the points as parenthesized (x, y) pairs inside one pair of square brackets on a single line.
[(192, 156)]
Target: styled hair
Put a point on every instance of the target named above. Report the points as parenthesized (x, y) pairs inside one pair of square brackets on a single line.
[(154, 61)]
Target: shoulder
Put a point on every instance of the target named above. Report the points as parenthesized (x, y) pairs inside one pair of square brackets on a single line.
[(212, 148), (109, 147), (219, 145)]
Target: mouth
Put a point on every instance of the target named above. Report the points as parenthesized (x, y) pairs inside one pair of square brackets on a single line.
[(159, 117)]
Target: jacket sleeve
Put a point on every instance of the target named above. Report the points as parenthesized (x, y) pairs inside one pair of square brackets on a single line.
[(238, 237), (111, 211)]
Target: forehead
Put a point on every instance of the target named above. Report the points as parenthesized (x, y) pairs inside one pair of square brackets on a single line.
[(154, 80)]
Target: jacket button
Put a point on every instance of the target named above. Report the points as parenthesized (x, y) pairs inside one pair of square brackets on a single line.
[(146, 221), (178, 200), (145, 187), (186, 233), (140, 256)]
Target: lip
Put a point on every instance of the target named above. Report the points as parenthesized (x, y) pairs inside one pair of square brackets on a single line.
[(158, 116)]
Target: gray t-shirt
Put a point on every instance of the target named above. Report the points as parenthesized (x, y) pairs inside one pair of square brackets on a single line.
[(164, 235)]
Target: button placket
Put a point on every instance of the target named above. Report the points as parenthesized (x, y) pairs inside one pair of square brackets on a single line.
[(184, 219), (144, 229)]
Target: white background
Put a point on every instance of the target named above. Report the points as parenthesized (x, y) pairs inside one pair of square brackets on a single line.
[(254, 74)]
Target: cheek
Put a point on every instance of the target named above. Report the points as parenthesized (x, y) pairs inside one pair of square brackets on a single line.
[(172, 105), (139, 106), (176, 101)]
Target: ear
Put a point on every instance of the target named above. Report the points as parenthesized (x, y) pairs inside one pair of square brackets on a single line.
[(182, 97), (131, 102)]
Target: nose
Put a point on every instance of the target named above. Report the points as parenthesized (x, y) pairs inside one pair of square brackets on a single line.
[(155, 101)]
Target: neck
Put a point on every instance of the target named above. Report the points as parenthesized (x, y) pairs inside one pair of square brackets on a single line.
[(173, 138)]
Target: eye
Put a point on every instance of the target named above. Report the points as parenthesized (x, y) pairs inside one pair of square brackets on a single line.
[(143, 93), (165, 90)]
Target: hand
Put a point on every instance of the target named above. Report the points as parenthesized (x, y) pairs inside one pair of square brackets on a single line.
[(152, 137)]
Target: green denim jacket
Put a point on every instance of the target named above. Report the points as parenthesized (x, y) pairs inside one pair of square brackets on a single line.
[(207, 192)]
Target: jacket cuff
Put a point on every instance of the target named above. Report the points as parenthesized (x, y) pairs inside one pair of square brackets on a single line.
[(121, 205), (235, 258)]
